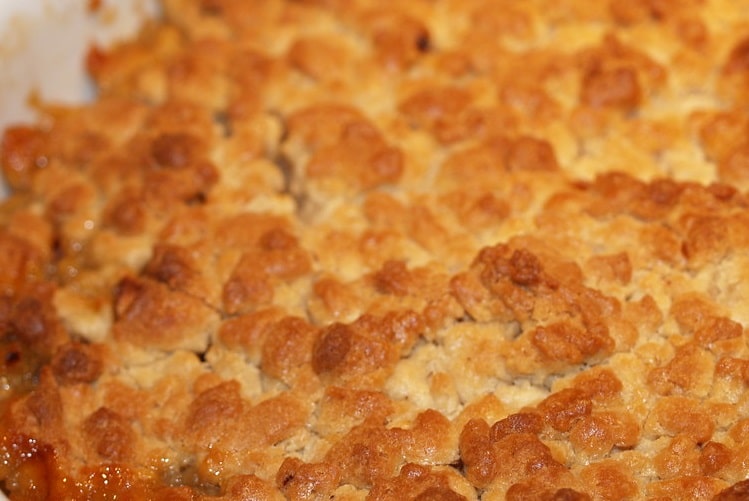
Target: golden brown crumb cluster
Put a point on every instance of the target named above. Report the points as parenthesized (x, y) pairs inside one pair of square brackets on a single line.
[(430, 250)]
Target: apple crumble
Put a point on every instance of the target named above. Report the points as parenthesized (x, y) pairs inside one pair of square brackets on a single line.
[(350, 249)]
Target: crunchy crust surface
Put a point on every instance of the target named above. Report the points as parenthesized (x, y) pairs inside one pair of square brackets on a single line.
[(350, 249)]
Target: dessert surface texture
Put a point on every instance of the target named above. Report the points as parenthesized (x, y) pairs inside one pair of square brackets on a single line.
[(365, 250)]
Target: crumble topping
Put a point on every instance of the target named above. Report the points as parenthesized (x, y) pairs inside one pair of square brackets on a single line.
[(328, 249)]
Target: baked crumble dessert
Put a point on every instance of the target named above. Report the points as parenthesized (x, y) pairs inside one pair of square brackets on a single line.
[(434, 250)]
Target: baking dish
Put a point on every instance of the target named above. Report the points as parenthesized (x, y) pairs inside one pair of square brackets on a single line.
[(43, 44)]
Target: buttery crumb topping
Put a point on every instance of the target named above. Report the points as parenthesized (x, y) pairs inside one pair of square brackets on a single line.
[(359, 250)]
